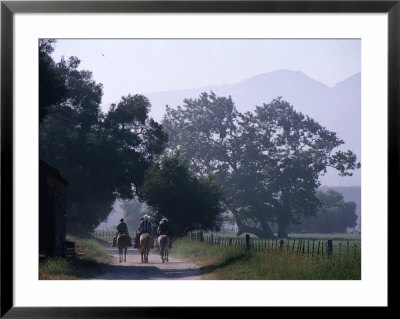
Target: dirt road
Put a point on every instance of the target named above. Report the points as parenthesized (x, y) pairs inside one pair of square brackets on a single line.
[(133, 269)]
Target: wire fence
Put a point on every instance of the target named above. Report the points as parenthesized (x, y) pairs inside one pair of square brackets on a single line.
[(314, 247)]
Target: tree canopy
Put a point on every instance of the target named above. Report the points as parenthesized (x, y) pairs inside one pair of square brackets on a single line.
[(189, 202), (333, 216), (52, 83), (102, 155), (268, 162)]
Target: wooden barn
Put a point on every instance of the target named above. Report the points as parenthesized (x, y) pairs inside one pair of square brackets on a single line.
[(52, 211)]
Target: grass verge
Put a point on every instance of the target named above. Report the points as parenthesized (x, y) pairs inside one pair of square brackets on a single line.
[(90, 261), (230, 263)]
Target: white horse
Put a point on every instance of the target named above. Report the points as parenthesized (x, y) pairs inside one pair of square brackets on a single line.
[(163, 243)]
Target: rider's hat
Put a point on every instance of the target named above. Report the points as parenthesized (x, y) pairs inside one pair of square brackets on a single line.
[(121, 220), (164, 219)]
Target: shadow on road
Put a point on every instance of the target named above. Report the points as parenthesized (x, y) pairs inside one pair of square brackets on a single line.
[(122, 272), (134, 269)]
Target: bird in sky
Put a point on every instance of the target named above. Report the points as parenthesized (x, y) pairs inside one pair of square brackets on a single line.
[(102, 54)]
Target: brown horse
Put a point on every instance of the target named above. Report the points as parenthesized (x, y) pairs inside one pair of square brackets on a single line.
[(144, 246), (163, 243), (122, 244)]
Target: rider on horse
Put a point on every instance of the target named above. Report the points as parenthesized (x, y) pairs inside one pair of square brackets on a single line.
[(163, 229), (144, 227), (122, 228)]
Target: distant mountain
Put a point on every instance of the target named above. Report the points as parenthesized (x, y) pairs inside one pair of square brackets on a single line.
[(337, 108), (350, 194)]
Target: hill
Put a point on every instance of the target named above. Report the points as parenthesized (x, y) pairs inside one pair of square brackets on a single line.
[(337, 108)]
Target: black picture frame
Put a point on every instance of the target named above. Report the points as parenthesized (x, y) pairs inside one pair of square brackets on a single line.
[(9, 8)]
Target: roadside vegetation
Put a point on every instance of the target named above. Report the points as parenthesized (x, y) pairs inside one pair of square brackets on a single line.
[(236, 263), (90, 260)]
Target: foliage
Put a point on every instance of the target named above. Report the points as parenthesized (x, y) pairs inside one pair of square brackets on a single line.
[(268, 162), (133, 211), (102, 156), (334, 216), (189, 202), (52, 83)]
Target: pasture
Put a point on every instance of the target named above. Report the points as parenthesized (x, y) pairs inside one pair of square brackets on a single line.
[(309, 244), (227, 258)]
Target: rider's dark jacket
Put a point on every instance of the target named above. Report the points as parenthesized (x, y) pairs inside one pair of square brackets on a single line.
[(145, 226), (122, 227), (163, 228)]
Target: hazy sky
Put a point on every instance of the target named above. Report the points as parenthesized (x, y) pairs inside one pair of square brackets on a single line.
[(144, 66)]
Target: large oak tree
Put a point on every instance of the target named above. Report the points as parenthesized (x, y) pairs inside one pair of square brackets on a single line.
[(268, 162)]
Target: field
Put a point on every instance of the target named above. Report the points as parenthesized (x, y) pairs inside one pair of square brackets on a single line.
[(225, 256), (266, 260), (91, 258)]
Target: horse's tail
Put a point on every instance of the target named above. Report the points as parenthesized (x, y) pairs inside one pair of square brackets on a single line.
[(163, 244), (123, 240), (145, 240)]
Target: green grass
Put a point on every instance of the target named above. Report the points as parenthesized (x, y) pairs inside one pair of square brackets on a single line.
[(235, 263), (91, 259)]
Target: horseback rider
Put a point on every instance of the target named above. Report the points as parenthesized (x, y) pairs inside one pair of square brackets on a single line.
[(122, 228), (163, 229), (144, 227)]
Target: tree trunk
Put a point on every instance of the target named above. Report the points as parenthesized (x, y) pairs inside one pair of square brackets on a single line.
[(262, 233), (282, 229)]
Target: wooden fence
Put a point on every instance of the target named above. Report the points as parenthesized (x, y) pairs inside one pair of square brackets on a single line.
[(109, 234), (299, 246)]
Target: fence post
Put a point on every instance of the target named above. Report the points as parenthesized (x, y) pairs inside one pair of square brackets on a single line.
[(329, 248), (201, 236), (281, 244), (312, 255), (212, 239), (247, 241)]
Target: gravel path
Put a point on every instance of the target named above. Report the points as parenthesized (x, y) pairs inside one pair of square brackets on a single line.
[(133, 269)]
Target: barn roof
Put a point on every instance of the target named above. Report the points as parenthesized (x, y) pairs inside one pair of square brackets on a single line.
[(54, 170)]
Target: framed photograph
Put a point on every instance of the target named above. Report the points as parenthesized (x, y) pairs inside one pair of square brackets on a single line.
[(336, 62)]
